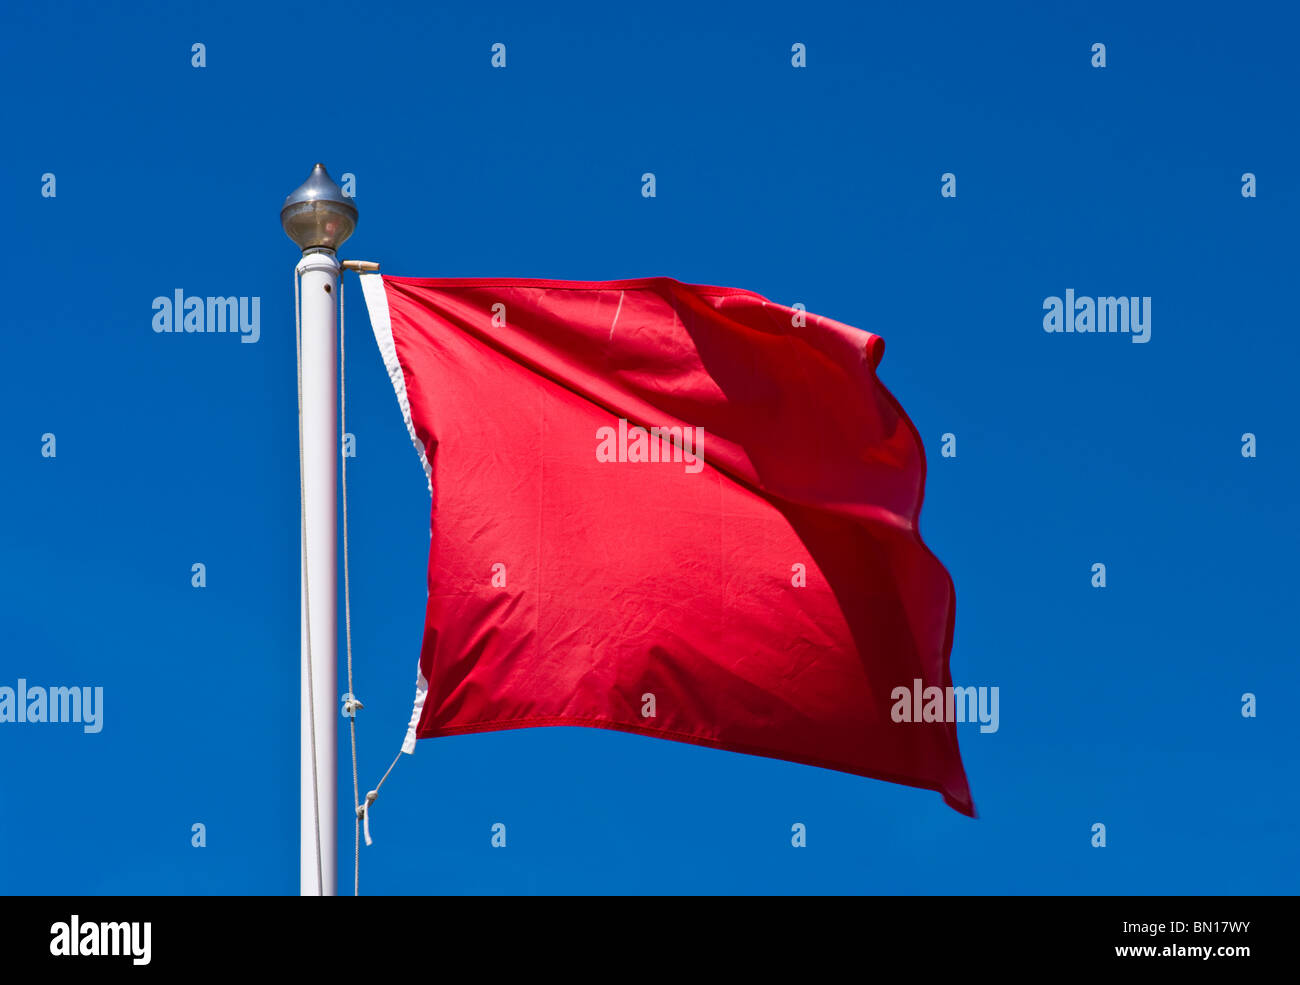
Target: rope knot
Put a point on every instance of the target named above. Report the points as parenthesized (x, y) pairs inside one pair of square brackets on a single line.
[(363, 812)]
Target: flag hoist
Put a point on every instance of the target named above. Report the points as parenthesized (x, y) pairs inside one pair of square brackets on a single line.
[(318, 218)]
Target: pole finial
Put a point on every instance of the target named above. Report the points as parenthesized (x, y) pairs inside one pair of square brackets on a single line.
[(317, 215)]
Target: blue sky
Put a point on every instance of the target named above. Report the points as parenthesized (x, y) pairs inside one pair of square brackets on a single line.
[(819, 185)]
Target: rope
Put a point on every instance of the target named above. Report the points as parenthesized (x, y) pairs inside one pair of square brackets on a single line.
[(363, 811), (352, 703), (306, 590)]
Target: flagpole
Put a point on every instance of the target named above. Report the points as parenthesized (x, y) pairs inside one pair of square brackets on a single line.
[(318, 218)]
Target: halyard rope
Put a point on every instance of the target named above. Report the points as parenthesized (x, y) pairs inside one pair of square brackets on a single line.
[(364, 812), (351, 704), (347, 595)]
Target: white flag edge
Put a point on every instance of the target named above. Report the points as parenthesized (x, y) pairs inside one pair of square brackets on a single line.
[(372, 288)]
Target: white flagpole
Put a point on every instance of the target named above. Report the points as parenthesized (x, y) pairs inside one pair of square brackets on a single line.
[(319, 218)]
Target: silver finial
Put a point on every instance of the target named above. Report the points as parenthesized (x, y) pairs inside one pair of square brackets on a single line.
[(318, 215)]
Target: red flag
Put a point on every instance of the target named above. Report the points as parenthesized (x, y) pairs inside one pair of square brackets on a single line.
[(674, 510)]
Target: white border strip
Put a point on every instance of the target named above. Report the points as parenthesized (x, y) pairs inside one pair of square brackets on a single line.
[(421, 692), (372, 286)]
